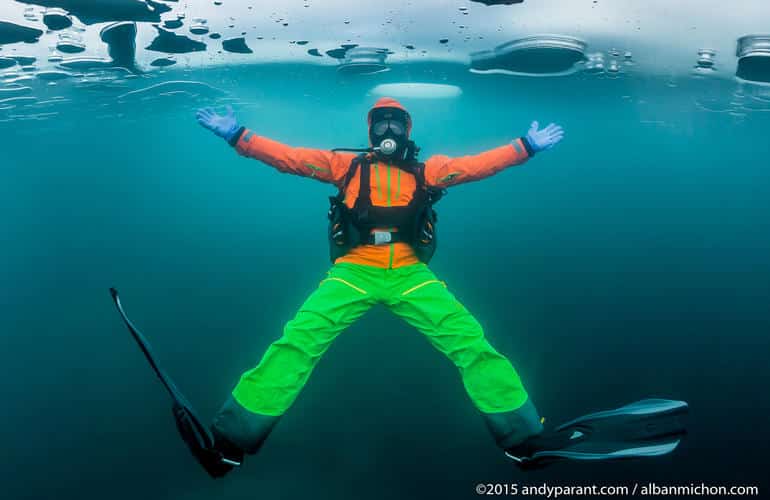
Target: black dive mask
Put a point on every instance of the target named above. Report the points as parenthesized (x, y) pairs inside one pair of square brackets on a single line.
[(388, 133)]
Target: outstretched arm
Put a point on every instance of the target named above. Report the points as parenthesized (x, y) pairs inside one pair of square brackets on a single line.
[(323, 165), (443, 171)]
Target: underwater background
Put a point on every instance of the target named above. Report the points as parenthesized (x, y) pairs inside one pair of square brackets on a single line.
[(631, 261)]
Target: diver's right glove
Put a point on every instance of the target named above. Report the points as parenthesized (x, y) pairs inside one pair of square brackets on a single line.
[(225, 126), (542, 140)]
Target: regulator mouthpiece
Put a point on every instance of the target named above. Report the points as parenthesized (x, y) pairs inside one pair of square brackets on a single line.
[(388, 146)]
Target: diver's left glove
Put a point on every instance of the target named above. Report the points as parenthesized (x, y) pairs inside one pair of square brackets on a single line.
[(225, 126), (545, 139)]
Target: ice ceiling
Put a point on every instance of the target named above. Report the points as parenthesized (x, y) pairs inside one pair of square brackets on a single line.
[(55, 38)]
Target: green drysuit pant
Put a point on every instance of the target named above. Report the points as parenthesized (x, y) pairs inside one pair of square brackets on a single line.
[(412, 292)]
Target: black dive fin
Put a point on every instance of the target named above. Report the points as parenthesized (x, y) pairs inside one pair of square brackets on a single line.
[(193, 432), (646, 428)]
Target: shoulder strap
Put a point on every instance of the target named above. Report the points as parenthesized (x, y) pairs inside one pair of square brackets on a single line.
[(419, 175), (354, 164), (364, 200), (434, 193)]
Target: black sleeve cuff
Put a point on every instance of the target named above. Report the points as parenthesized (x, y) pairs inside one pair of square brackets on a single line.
[(234, 139), (528, 147)]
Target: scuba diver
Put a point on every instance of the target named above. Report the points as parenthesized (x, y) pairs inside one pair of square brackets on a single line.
[(382, 235)]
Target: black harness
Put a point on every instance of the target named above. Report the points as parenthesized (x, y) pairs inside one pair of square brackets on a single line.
[(416, 222)]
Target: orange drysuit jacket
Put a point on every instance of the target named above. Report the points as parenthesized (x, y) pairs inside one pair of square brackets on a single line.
[(390, 186)]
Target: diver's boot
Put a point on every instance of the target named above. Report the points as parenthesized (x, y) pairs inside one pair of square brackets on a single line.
[(524, 454), (230, 455), (647, 428), (218, 456)]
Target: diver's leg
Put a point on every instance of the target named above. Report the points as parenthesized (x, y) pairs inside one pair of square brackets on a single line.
[(264, 393), (489, 378)]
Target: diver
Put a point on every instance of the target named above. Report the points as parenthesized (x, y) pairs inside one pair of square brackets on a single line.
[(382, 233)]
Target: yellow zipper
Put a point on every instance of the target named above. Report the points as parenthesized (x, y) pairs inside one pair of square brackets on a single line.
[(422, 285), (351, 285)]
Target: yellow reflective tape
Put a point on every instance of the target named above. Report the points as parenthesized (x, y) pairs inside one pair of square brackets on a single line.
[(422, 285), (351, 285), (377, 177), (398, 186), (316, 168), (389, 183), (448, 178)]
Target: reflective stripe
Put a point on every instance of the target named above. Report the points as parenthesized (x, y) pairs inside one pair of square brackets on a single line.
[(377, 176), (314, 167), (517, 147), (388, 183), (351, 285), (422, 285), (448, 178), (398, 185)]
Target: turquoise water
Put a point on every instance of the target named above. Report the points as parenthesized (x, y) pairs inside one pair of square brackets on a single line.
[(629, 262)]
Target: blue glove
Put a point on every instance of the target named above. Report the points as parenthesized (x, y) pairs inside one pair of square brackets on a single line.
[(542, 140), (225, 126)]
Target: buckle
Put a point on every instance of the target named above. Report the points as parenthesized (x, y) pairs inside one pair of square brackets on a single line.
[(382, 237)]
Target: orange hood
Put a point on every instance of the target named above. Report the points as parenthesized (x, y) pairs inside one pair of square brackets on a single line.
[(389, 102)]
